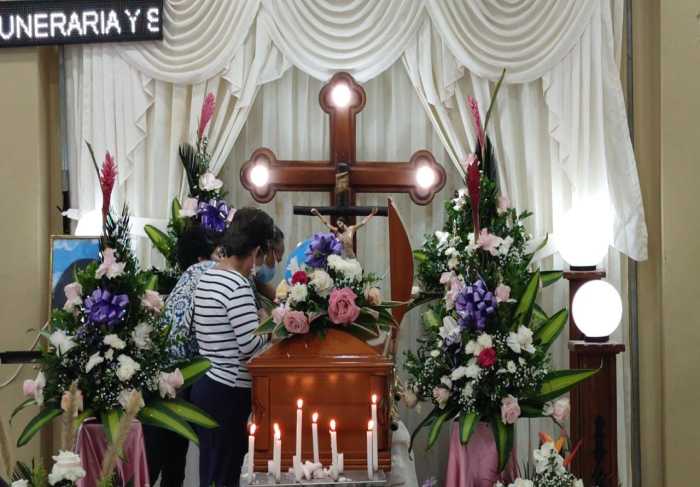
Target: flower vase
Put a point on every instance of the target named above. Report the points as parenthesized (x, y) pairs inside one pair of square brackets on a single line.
[(476, 463)]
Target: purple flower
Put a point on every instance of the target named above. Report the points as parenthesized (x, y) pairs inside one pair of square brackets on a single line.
[(474, 304), (213, 215), (322, 245), (105, 308)]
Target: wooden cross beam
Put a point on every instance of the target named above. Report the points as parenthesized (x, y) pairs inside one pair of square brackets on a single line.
[(342, 175)]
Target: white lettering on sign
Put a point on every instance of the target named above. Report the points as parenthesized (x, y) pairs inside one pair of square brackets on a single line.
[(113, 23), (25, 26), (58, 23), (41, 25), (75, 25), (133, 18), (153, 16), (7, 34), (90, 19)]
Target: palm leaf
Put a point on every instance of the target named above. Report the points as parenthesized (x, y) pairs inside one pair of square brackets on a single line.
[(550, 329), (467, 425), (550, 277), (559, 382), (538, 317), (503, 434), (523, 310), (164, 418), (188, 411), (194, 370), (46, 415), (437, 426)]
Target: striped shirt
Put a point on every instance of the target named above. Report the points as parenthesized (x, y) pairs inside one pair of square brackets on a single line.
[(225, 318)]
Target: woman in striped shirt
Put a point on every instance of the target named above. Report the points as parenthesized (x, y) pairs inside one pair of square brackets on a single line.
[(224, 319)]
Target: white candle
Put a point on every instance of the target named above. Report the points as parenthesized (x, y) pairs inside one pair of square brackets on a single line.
[(277, 451), (251, 451), (375, 434), (370, 468), (314, 436), (300, 405), (334, 444)]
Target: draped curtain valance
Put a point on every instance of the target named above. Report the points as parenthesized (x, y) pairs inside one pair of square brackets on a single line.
[(565, 51)]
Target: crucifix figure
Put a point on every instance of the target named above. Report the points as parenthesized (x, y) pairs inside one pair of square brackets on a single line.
[(342, 175), (345, 233)]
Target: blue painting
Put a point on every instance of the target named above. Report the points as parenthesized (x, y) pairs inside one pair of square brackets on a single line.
[(69, 254)]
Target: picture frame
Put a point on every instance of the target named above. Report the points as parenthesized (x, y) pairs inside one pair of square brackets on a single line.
[(66, 253)]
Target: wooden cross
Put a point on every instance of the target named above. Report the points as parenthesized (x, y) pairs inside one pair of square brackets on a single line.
[(342, 175)]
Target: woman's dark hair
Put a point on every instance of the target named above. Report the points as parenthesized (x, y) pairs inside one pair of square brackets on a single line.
[(277, 236), (194, 244), (250, 228)]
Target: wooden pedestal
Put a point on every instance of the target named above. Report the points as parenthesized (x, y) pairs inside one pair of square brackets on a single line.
[(594, 413), (335, 376)]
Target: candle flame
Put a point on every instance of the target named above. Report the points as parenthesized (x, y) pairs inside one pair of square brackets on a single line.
[(370, 425), (276, 428), (314, 417), (300, 403), (252, 429), (374, 399), (332, 424)]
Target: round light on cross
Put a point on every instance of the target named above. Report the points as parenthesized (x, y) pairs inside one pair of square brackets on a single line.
[(597, 310), (584, 234), (425, 176), (260, 175), (341, 95)]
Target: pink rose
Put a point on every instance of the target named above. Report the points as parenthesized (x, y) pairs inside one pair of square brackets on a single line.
[(456, 286), (488, 241), (73, 293), (342, 309), (561, 410), (447, 277), (189, 207), (296, 322), (502, 205), (441, 396), (278, 314), (28, 387), (502, 293), (510, 410), (169, 383), (109, 266), (66, 399), (373, 296), (152, 301)]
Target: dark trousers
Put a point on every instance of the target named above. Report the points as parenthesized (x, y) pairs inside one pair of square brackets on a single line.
[(166, 453), (221, 450)]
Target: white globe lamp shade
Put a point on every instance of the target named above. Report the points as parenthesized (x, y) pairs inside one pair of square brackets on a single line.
[(597, 310), (584, 235), (425, 177), (341, 95), (260, 175), (89, 224)]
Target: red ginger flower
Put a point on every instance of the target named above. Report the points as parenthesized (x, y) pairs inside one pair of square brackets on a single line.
[(473, 186), (108, 177), (207, 112), (476, 117)]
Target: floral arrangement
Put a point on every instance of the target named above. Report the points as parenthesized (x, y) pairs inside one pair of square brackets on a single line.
[(484, 353), (205, 204), (328, 290), (109, 340), (551, 464)]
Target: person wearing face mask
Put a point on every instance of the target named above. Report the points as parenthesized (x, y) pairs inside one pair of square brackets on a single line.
[(267, 263), (225, 319)]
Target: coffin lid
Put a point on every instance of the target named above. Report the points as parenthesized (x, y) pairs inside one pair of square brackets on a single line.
[(336, 349)]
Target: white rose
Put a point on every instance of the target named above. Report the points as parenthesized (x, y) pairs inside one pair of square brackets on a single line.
[(209, 182), (61, 342), (94, 360), (127, 367), (66, 466), (20, 483), (298, 294), (141, 336), (114, 341), (485, 340), (321, 282)]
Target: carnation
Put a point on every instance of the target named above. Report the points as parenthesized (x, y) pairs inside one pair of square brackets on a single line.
[(348, 268), (127, 367), (298, 294), (322, 282), (141, 336)]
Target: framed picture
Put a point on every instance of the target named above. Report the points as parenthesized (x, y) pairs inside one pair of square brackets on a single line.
[(68, 254)]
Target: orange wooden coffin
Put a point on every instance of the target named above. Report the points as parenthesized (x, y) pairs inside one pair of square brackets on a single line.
[(336, 377)]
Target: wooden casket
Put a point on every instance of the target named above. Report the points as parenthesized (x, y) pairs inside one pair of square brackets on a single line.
[(336, 377)]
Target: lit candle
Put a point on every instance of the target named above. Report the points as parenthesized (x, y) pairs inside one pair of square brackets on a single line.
[(375, 434), (314, 436), (370, 468), (334, 445), (300, 404), (277, 451), (251, 451)]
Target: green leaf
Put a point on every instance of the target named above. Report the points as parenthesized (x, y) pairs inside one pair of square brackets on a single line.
[(550, 329), (431, 320), (175, 217), (266, 326), (550, 277), (467, 425), (44, 417), (421, 299), (559, 382), (194, 370), (23, 405), (530, 409), (164, 418), (152, 283), (437, 426), (503, 434), (188, 411), (161, 241), (393, 304), (427, 421), (493, 99), (538, 317), (523, 311), (110, 423), (82, 417), (420, 256)]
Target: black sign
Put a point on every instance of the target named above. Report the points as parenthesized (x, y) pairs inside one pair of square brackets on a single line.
[(32, 22)]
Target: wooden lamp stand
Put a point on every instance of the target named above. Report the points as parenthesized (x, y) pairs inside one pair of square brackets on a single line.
[(593, 402)]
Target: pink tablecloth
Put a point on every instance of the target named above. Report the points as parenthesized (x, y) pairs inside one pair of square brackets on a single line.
[(92, 445), (476, 463)]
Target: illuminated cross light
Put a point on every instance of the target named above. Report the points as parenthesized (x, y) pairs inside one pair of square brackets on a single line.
[(341, 95), (425, 177), (260, 175)]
